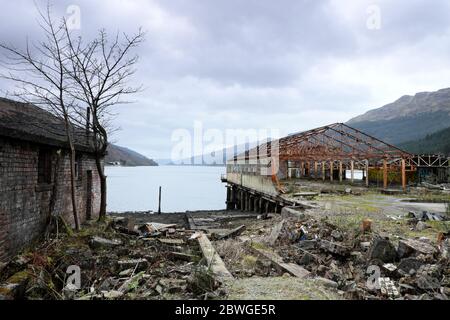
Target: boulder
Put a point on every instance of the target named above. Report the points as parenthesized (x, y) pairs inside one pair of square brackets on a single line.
[(420, 226), (382, 249)]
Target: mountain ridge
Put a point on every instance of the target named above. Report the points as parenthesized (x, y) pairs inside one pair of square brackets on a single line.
[(408, 118), (126, 157)]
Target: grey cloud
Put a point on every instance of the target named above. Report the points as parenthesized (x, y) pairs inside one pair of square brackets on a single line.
[(286, 64)]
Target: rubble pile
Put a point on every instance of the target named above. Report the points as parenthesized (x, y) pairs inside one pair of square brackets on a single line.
[(118, 260), (365, 265)]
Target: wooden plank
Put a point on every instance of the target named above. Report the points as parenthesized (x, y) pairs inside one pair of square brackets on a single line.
[(213, 259), (292, 268)]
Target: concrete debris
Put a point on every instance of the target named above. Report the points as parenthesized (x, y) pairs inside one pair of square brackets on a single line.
[(409, 265), (426, 216), (334, 247), (154, 260), (382, 249), (413, 247), (389, 267), (99, 242)]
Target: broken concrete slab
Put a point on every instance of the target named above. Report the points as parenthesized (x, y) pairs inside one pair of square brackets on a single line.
[(334, 247), (414, 247), (232, 233), (275, 233), (292, 268), (213, 259)]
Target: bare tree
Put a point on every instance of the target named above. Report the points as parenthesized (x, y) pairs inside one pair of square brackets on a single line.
[(101, 71), (40, 74)]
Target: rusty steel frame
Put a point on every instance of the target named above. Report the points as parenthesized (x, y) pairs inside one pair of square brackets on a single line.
[(336, 141)]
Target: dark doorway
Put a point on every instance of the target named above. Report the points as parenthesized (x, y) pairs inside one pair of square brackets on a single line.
[(89, 195)]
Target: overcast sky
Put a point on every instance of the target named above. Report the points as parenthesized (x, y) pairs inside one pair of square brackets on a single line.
[(291, 65)]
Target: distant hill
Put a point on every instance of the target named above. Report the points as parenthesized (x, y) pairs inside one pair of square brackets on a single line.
[(438, 142), (408, 118), (207, 159), (127, 157)]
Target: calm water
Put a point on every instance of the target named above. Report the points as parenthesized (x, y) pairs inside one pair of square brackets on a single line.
[(183, 188)]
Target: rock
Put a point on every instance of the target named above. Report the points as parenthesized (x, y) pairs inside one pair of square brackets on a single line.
[(307, 244), (337, 235), (69, 291), (364, 246), (420, 226), (15, 286), (99, 242), (348, 190), (414, 247), (427, 282), (326, 282), (126, 273), (113, 294), (406, 289), (307, 258), (108, 284), (173, 285), (389, 267), (408, 264), (382, 249)]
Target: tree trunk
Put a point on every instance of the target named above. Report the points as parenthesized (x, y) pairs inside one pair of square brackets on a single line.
[(72, 185), (102, 176)]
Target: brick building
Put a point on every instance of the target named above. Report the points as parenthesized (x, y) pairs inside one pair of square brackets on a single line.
[(35, 175)]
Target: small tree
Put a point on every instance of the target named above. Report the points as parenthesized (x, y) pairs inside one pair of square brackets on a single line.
[(40, 74), (101, 70)]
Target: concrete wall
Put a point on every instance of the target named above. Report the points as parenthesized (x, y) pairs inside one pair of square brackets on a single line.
[(25, 203), (259, 183)]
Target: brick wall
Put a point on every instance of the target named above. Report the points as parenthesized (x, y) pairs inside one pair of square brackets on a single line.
[(25, 203)]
